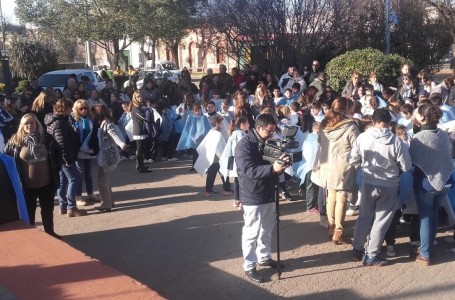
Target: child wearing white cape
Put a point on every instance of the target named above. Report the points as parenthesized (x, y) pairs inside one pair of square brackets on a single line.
[(228, 167), (209, 151)]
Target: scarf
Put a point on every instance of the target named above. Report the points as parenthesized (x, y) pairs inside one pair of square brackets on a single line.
[(32, 142), (85, 128), (430, 151)]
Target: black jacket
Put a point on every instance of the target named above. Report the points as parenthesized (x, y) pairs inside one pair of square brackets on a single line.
[(256, 178), (54, 158), (139, 121), (60, 128)]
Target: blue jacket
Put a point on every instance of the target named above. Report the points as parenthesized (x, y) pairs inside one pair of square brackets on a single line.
[(256, 179)]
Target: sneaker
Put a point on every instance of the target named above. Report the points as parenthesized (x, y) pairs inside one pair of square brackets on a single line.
[(225, 193), (210, 193), (423, 261), (148, 161), (74, 212), (313, 211), (93, 197), (254, 276), (391, 251), (271, 263), (173, 159), (235, 203), (63, 211), (352, 211), (357, 255), (132, 157), (81, 202), (286, 196), (375, 261)]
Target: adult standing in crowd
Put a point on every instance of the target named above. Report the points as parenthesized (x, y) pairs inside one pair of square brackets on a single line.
[(42, 106), (109, 138), (430, 151), (81, 120), (225, 80), (319, 83), (257, 179), (71, 88), (38, 161), (315, 71), (140, 134), (59, 126), (332, 170), (285, 78)]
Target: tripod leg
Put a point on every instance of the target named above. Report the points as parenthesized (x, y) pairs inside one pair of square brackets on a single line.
[(277, 220)]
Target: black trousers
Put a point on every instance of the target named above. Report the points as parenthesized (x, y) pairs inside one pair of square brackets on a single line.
[(210, 180), (141, 146), (45, 196)]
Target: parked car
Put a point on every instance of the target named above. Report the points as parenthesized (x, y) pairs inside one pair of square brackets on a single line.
[(157, 75), (57, 79), (163, 65)]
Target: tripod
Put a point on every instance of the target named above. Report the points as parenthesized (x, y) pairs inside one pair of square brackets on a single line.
[(277, 222)]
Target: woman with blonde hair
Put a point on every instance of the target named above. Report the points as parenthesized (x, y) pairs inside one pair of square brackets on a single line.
[(82, 123), (38, 161), (42, 105), (332, 170), (59, 126), (140, 133)]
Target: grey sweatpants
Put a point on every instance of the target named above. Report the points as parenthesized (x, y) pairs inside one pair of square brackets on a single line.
[(377, 207)]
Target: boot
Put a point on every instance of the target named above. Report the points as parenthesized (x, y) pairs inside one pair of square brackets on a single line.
[(75, 212), (331, 229), (80, 201), (338, 237)]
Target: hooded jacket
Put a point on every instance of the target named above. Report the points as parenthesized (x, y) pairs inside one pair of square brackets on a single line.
[(381, 156), (332, 169)]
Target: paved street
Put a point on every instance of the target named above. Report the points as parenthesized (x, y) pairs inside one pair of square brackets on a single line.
[(167, 235)]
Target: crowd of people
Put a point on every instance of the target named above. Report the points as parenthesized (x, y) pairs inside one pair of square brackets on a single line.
[(382, 153)]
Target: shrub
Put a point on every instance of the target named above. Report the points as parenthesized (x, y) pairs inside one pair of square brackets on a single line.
[(21, 86), (365, 61)]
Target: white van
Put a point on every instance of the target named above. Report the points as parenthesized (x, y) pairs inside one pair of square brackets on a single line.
[(163, 65)]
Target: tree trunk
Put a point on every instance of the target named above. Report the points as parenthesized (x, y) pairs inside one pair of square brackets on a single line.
[(175, 53)]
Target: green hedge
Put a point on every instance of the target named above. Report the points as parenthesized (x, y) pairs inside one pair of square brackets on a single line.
[(21, 86), (388, 67)]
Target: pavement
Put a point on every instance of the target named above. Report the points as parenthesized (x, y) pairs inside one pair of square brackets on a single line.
[(165, 234)]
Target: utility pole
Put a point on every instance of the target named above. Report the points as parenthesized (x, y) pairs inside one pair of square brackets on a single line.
[(387, 26), (4, 58)]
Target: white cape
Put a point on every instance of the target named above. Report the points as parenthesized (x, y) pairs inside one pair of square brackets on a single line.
[(212, 145)]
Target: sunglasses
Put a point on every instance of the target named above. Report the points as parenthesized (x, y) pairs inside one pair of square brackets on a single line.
[(82, 108)]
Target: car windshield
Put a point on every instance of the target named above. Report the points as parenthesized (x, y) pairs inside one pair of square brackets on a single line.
[(53, 80), (169, 66)]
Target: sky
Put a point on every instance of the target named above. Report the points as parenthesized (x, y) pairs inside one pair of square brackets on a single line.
[(8, 10)]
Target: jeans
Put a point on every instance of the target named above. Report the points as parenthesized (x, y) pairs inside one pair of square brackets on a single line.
[(69, 180), (85, 168), (428, 204)]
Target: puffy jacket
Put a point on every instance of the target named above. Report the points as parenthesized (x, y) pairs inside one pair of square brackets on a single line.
[(60, 128), (54, 152), (256, 178)]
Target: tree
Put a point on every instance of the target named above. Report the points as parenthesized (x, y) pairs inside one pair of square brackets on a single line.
[(29, 58), (111, 24)]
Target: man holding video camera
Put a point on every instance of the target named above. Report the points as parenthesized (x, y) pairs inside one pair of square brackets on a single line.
[(257, 178)]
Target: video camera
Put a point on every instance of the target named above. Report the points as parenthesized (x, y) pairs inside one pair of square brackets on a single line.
[(272, 150)]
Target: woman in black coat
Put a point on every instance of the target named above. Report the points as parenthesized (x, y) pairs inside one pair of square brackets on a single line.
[(37, 157), (140, 133)]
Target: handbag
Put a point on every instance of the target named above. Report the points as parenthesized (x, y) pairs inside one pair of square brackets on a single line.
[(110, 155)]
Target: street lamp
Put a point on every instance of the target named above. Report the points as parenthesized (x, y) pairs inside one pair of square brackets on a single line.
[(4, 58)]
